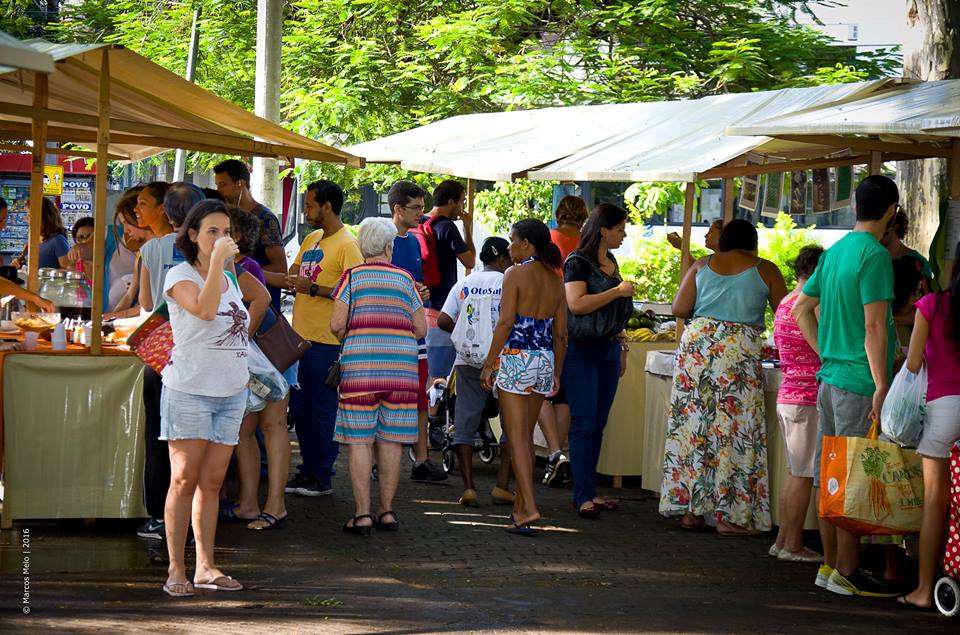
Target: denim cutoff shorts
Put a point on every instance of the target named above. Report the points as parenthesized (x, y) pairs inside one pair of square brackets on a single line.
[(185, 416)]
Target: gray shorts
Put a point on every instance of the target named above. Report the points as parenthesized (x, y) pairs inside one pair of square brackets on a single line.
[(185, 416), (840, 413), (469, 406), (941, 427)]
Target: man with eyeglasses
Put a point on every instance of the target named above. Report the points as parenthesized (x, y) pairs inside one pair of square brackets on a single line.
[(406, 204), (232, 178)]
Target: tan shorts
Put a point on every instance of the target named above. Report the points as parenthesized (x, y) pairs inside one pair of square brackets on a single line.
[(799, 426)]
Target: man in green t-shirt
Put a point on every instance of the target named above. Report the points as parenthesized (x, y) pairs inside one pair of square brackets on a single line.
[(855, 337)]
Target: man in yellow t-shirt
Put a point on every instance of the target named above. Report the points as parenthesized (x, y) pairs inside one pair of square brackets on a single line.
[(323, 257)]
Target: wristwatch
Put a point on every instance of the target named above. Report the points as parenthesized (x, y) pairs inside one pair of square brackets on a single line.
[(314, 290)]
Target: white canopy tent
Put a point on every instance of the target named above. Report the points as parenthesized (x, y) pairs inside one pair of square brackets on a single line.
[(16, 54), (647, 141)]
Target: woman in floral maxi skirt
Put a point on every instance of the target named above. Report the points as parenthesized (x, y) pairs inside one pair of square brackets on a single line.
[(715, 458)]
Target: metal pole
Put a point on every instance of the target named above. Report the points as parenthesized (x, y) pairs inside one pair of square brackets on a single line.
[(179, 163)]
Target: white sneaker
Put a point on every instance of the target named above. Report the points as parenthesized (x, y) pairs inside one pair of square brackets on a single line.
[(804, 555), (823, 575), (774, 551)]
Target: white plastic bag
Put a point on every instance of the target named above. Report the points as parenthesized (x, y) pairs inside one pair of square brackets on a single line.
[(902, 416), (266, 382), (473, 332)]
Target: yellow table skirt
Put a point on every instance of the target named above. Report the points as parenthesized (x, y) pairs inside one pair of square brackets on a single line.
[(73, 432)]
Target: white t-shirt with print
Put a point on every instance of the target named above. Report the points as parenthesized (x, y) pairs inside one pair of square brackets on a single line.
[(209, 356), (477, 283)]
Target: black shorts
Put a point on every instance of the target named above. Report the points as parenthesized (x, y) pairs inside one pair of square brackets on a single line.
[(559, 399)]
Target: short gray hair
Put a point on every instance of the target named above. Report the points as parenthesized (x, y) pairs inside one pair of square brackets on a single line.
[(374, 235)]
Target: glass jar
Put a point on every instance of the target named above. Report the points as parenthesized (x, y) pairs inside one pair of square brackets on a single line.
[(58, 278), (44, 280), (74, 298)]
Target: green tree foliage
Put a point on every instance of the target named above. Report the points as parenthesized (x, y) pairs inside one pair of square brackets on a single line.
[(506, 203), (354, 70)]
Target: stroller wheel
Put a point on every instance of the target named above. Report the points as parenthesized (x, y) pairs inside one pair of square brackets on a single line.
[(946, 595), (449, 460), (487, 453)]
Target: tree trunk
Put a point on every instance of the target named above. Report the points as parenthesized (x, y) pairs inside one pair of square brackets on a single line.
[(923, 183), (266, 185)]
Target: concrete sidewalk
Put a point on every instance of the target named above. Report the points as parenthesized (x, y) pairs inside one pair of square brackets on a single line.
[(449, 569)]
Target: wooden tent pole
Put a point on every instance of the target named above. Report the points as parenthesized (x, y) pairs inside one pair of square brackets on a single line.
[(471, 192), (727, 200), (40, 93), (100, 203), (685, 260), (953, 171), (876, 162)]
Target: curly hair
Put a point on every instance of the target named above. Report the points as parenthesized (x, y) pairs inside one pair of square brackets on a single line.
[(571, 210), (245, 228)]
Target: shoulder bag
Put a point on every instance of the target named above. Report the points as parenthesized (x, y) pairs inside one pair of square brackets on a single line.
[(608, 321), (333, 375), (280, 343)]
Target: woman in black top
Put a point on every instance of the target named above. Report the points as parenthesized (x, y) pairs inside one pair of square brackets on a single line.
[(599, 305)]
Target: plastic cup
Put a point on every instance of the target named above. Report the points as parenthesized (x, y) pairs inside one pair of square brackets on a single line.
[(30, 339)]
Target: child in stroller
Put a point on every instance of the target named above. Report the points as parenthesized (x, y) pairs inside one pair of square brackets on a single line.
[(946, 593), (485, 443)]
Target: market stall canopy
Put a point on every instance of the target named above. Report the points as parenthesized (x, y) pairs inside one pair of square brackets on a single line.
[(151, 110), (16, 54), (649, 141), (923, 112)]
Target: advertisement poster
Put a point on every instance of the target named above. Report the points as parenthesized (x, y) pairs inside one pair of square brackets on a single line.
[(821, 190), (798, 192), (750, 189), (772, 195), (844, 188)]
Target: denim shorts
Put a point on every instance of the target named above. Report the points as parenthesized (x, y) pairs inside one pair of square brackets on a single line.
[(941, 429), (185, 416)]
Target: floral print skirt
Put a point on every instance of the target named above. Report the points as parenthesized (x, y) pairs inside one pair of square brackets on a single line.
[(715, 459)]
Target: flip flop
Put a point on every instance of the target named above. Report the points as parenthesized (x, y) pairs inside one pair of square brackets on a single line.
[(229, 515), (903, 601), (219, 583), (179, 589), (607, 506), (272, 522), (394, 525), (358, 530), (521, 530)]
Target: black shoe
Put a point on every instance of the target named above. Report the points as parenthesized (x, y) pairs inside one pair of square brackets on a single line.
[(313, 487), (294, 483), (555, 473), (427, 472), (153, 529)]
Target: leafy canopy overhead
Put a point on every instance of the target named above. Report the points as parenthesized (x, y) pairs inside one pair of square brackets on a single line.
[(355, 70)]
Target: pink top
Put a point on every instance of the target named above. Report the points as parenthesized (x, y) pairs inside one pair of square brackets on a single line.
[(799, 364), (943, 359)]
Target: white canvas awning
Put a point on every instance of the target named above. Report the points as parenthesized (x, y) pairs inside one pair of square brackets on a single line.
[(151, 110), (921, 112), (15, 54), (649, 141)]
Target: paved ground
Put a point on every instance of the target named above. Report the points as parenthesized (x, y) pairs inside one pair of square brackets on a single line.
[(449, 569)]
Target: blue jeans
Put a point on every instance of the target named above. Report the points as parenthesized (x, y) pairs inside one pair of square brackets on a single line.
[(591, 373), (314, 409)]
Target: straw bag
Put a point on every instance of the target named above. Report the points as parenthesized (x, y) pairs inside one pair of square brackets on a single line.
[(869, 486)]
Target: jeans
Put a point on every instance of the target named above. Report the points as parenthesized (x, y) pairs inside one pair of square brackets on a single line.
[(314, 409), (156, 460), (591, 373)]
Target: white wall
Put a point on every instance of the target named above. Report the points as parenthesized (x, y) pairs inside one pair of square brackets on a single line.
[(880, 23)]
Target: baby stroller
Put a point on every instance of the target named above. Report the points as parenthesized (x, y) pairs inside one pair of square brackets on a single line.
[(946, 594), (485, 443)]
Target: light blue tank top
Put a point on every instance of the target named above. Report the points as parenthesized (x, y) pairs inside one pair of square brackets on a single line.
[(740, 297)]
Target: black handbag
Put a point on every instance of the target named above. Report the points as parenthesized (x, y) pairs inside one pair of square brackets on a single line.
[(607, 322), (332, 379)]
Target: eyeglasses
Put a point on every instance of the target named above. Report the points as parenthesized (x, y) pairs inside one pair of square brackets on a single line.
[(415, 208)]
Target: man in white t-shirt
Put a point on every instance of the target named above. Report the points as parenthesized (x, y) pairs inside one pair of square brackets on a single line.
[(471, 397)]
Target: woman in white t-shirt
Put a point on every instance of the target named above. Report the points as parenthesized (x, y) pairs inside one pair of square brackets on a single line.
[(204, 390)]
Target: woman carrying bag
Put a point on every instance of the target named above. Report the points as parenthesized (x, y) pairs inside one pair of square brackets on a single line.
[(599, 305)]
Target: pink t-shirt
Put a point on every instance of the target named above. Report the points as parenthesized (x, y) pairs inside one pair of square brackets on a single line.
[(943, 359), (799, 363)]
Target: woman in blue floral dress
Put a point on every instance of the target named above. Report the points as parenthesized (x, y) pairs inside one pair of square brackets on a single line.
[(715, 459), (526, 354)]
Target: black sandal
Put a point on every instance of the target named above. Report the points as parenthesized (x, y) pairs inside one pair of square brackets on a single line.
[(391, 526), (358, 530)]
